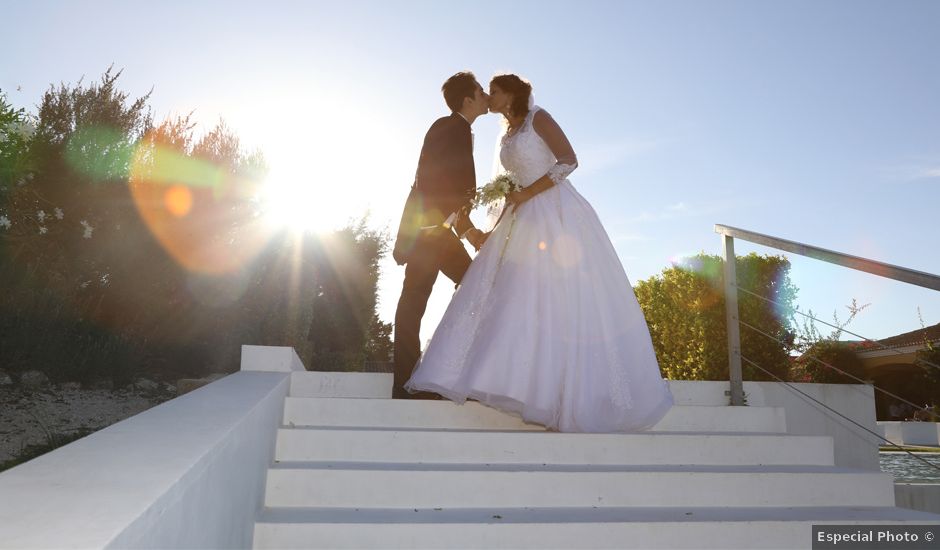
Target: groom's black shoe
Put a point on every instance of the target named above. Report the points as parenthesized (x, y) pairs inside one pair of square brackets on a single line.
[(401, 393), (426, 395)]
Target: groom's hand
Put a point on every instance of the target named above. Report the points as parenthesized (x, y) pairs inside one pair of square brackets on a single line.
[(481, 240), (476, 238)]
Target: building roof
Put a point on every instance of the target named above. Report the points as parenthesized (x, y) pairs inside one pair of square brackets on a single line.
[(913, 337)]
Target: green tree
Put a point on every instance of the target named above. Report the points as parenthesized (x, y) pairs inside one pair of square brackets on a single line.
[(51, 285), (16, 132), (345, 331), (811, 366), (685, 310), (828, 349), (16, 171), (928, 359), (222, 278), (379, 346), (82, 249), (130, 246), (75, 194)]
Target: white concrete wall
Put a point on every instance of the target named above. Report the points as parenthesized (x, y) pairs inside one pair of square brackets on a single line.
[(918, 496), (854, 447), (911, 433), (153, 480)]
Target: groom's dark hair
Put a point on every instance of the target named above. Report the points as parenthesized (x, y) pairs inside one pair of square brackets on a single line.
[(459, 87)]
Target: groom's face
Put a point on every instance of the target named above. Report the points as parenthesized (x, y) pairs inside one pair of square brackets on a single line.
[(480, 102)]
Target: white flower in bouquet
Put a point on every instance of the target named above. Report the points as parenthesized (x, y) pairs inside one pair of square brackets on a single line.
[(499, 188), (5, 222)]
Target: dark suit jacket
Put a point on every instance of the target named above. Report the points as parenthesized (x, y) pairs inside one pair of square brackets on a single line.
[(444, 183)]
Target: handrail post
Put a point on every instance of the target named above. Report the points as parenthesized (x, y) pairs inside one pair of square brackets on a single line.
[(731, 318)]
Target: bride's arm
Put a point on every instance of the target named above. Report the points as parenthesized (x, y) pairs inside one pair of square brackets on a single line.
[(566, 160)]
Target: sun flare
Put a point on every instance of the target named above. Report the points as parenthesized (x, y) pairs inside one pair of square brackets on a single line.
[(306, 195), (303, 202), (332, 163)]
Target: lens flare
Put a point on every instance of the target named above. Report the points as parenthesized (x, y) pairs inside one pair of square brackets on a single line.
[(705, 265), (178, 200), (199, 212)]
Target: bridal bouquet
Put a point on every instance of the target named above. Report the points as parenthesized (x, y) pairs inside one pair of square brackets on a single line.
[(499, 188)]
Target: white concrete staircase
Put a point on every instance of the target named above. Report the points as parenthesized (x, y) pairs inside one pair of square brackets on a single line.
[(355, 469)]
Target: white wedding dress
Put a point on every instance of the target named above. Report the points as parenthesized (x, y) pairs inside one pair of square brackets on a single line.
[(545, 323)]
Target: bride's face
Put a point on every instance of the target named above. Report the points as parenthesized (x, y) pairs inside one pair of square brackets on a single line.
[(499, 100)]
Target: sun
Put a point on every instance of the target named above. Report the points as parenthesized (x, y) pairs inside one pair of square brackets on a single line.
[(302, 200), (320, 181), (331, 163), (330, 188)]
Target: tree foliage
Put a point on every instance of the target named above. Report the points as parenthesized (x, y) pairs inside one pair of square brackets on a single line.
[(129, 246), (824, 356), (813, 365), (16, 131), (928, 359), (345, 331), (685, 310)]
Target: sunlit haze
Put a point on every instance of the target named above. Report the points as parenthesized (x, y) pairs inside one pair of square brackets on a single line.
[(812, 121)]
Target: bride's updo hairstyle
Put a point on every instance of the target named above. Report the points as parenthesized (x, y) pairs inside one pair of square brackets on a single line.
[(519, 88)]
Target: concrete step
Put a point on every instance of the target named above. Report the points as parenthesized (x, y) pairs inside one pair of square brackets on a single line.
[(514, 447), (351, 485), (611, 527), (403, 413), (341, 384)]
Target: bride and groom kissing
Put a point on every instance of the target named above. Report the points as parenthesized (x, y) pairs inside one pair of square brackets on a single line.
[(544, 323)]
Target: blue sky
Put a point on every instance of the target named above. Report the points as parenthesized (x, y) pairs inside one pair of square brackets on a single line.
[(813, 121)]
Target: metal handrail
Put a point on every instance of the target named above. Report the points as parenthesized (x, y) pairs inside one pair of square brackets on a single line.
[(805, 395), (728, 234), (898, 273)]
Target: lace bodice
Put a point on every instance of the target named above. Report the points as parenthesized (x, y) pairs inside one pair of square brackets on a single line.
[(525, 154)]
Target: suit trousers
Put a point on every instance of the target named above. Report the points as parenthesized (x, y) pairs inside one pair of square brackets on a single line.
[(435, 251)]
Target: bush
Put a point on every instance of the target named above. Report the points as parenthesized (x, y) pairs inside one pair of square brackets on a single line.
[(837, 354), (928, 359), (47, 337), (685, 310), (128, 248)]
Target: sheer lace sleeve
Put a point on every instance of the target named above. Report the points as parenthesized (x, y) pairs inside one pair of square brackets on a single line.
[(554, 137)]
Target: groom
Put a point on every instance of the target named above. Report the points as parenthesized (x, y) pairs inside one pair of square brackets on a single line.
[(436, 217)]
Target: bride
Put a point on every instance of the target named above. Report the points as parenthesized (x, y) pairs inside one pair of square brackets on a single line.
[(545, 323)]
